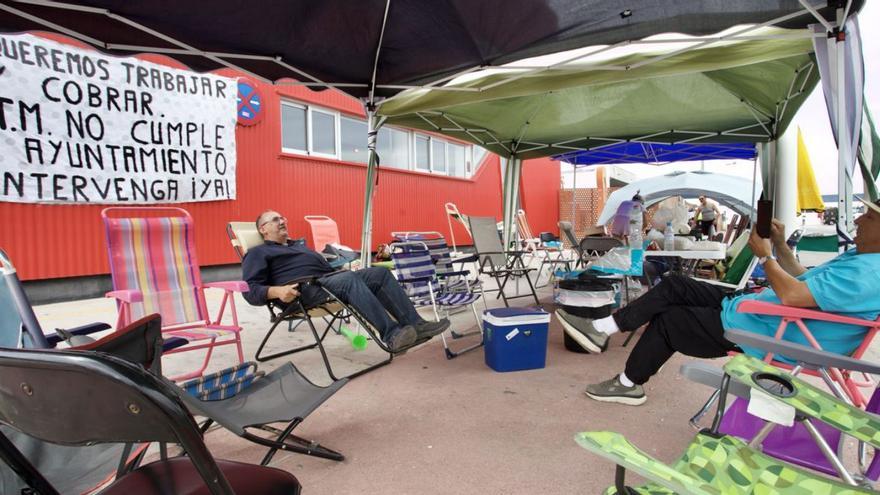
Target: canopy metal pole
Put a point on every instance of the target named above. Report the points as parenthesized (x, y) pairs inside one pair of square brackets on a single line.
[(753, 215), (844, 183), (373, 125), (511, 190)]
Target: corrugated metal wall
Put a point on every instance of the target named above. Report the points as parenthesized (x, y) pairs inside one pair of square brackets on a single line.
[(52, 241), (539, 192)]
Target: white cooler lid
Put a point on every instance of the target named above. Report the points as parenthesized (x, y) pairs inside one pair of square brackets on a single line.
[(515, 316)]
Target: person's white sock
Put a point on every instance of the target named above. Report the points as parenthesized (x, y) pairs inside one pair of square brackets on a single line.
[(606, 325), (626, 382)]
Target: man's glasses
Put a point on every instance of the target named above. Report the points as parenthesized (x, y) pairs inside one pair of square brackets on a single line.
[(275, 220)]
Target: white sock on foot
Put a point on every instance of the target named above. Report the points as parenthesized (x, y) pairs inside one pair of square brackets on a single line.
[(606, 325), (626, 382)]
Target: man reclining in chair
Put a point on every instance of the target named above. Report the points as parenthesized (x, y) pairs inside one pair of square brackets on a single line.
[(268, 270), (688, 316)]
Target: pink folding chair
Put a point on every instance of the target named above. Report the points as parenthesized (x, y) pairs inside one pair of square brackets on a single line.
[(154, 269), (324, 231), (851, 384)]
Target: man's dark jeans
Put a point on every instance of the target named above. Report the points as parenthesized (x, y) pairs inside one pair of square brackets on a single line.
[(371, 292), (683, 315)]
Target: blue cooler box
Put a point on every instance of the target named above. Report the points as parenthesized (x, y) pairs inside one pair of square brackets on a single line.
[(515, 338)]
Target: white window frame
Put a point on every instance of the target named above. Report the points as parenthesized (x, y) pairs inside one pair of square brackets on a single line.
[(310, 129), (446, 153), (410, 148), (415, 153), (295, 150), (339, 136), (310, 151), (411, 139)]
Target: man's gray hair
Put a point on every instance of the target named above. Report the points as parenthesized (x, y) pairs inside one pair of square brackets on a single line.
[(260, 217)]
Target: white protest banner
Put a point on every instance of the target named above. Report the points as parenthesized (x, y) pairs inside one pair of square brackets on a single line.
[(80, 127)]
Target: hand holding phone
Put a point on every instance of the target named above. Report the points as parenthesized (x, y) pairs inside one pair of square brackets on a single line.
[(764, 218)]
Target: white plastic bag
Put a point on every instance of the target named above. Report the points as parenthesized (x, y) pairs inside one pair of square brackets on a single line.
[(622, 260), (676, 214)]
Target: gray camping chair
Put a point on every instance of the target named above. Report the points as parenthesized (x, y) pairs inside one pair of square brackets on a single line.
[(73, 469), (499, 264), (283, 395), (244, 236), (81, 398), (19, 327), (568, 232)]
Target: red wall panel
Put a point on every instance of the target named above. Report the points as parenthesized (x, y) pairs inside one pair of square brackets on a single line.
[(539, 192), (52, 241)]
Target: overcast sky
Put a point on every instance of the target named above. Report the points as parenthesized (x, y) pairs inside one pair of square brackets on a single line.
[(812, 119)]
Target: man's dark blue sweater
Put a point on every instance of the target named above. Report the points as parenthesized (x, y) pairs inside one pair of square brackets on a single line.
[(273, 264)]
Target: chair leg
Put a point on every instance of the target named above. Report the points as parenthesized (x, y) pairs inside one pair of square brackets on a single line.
[(319, 342), (204, 366), (263, 358), (289, 442), (450, 354)]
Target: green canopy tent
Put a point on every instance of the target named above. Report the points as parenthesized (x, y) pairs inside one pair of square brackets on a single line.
[(741, 85)]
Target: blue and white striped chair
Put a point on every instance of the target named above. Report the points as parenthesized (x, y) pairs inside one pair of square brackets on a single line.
[(417, 275), (451, 280)]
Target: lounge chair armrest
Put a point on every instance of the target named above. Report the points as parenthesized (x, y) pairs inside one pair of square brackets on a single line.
[(126, 296), (709, 375), (229, 285), (766, 308), (809, 356), (811, 401), (415, 279), (87, 329), (173, 343), (617, 449)]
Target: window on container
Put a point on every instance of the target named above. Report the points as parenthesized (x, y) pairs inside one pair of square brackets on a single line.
[(393, 148), (456, 160), (323, 133), (353, 137), (438, 156), (423, 153), (293, 128)]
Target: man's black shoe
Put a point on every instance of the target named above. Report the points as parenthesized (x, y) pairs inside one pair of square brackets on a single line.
[(428, 329), (401, 337)]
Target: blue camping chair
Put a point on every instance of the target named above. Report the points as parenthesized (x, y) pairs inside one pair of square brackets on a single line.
[(418, 277), (451, 280)]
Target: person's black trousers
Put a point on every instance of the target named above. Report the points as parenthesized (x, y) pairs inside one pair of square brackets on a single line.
[(683, 315)]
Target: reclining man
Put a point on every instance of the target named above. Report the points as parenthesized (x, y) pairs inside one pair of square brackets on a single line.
[(269, 268), (688, 316)]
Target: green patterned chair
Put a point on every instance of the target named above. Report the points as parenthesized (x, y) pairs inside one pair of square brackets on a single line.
[(719, 464)]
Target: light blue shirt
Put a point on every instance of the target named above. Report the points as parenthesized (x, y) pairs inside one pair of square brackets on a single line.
[(848, 285)]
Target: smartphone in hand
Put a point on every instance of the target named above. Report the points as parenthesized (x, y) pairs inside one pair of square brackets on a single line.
[(765, 216)]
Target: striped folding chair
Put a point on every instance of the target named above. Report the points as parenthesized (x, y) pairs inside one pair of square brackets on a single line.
[(154, 269), (451, 280), (418, 277)]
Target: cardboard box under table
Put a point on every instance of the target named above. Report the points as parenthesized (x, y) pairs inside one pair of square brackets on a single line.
[(515, 338)]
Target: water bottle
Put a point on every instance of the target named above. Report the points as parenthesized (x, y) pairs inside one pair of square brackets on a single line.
[(668, 238), (635, 227)]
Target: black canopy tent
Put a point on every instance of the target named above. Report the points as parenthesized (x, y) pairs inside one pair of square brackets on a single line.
[(374, 49)]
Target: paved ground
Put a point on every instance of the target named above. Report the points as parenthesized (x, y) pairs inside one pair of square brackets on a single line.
[(425, 424)]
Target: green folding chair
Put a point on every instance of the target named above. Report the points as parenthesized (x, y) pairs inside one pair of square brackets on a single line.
[(714, 463)]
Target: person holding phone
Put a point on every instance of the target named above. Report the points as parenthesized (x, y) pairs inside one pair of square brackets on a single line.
[(688, 316)]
